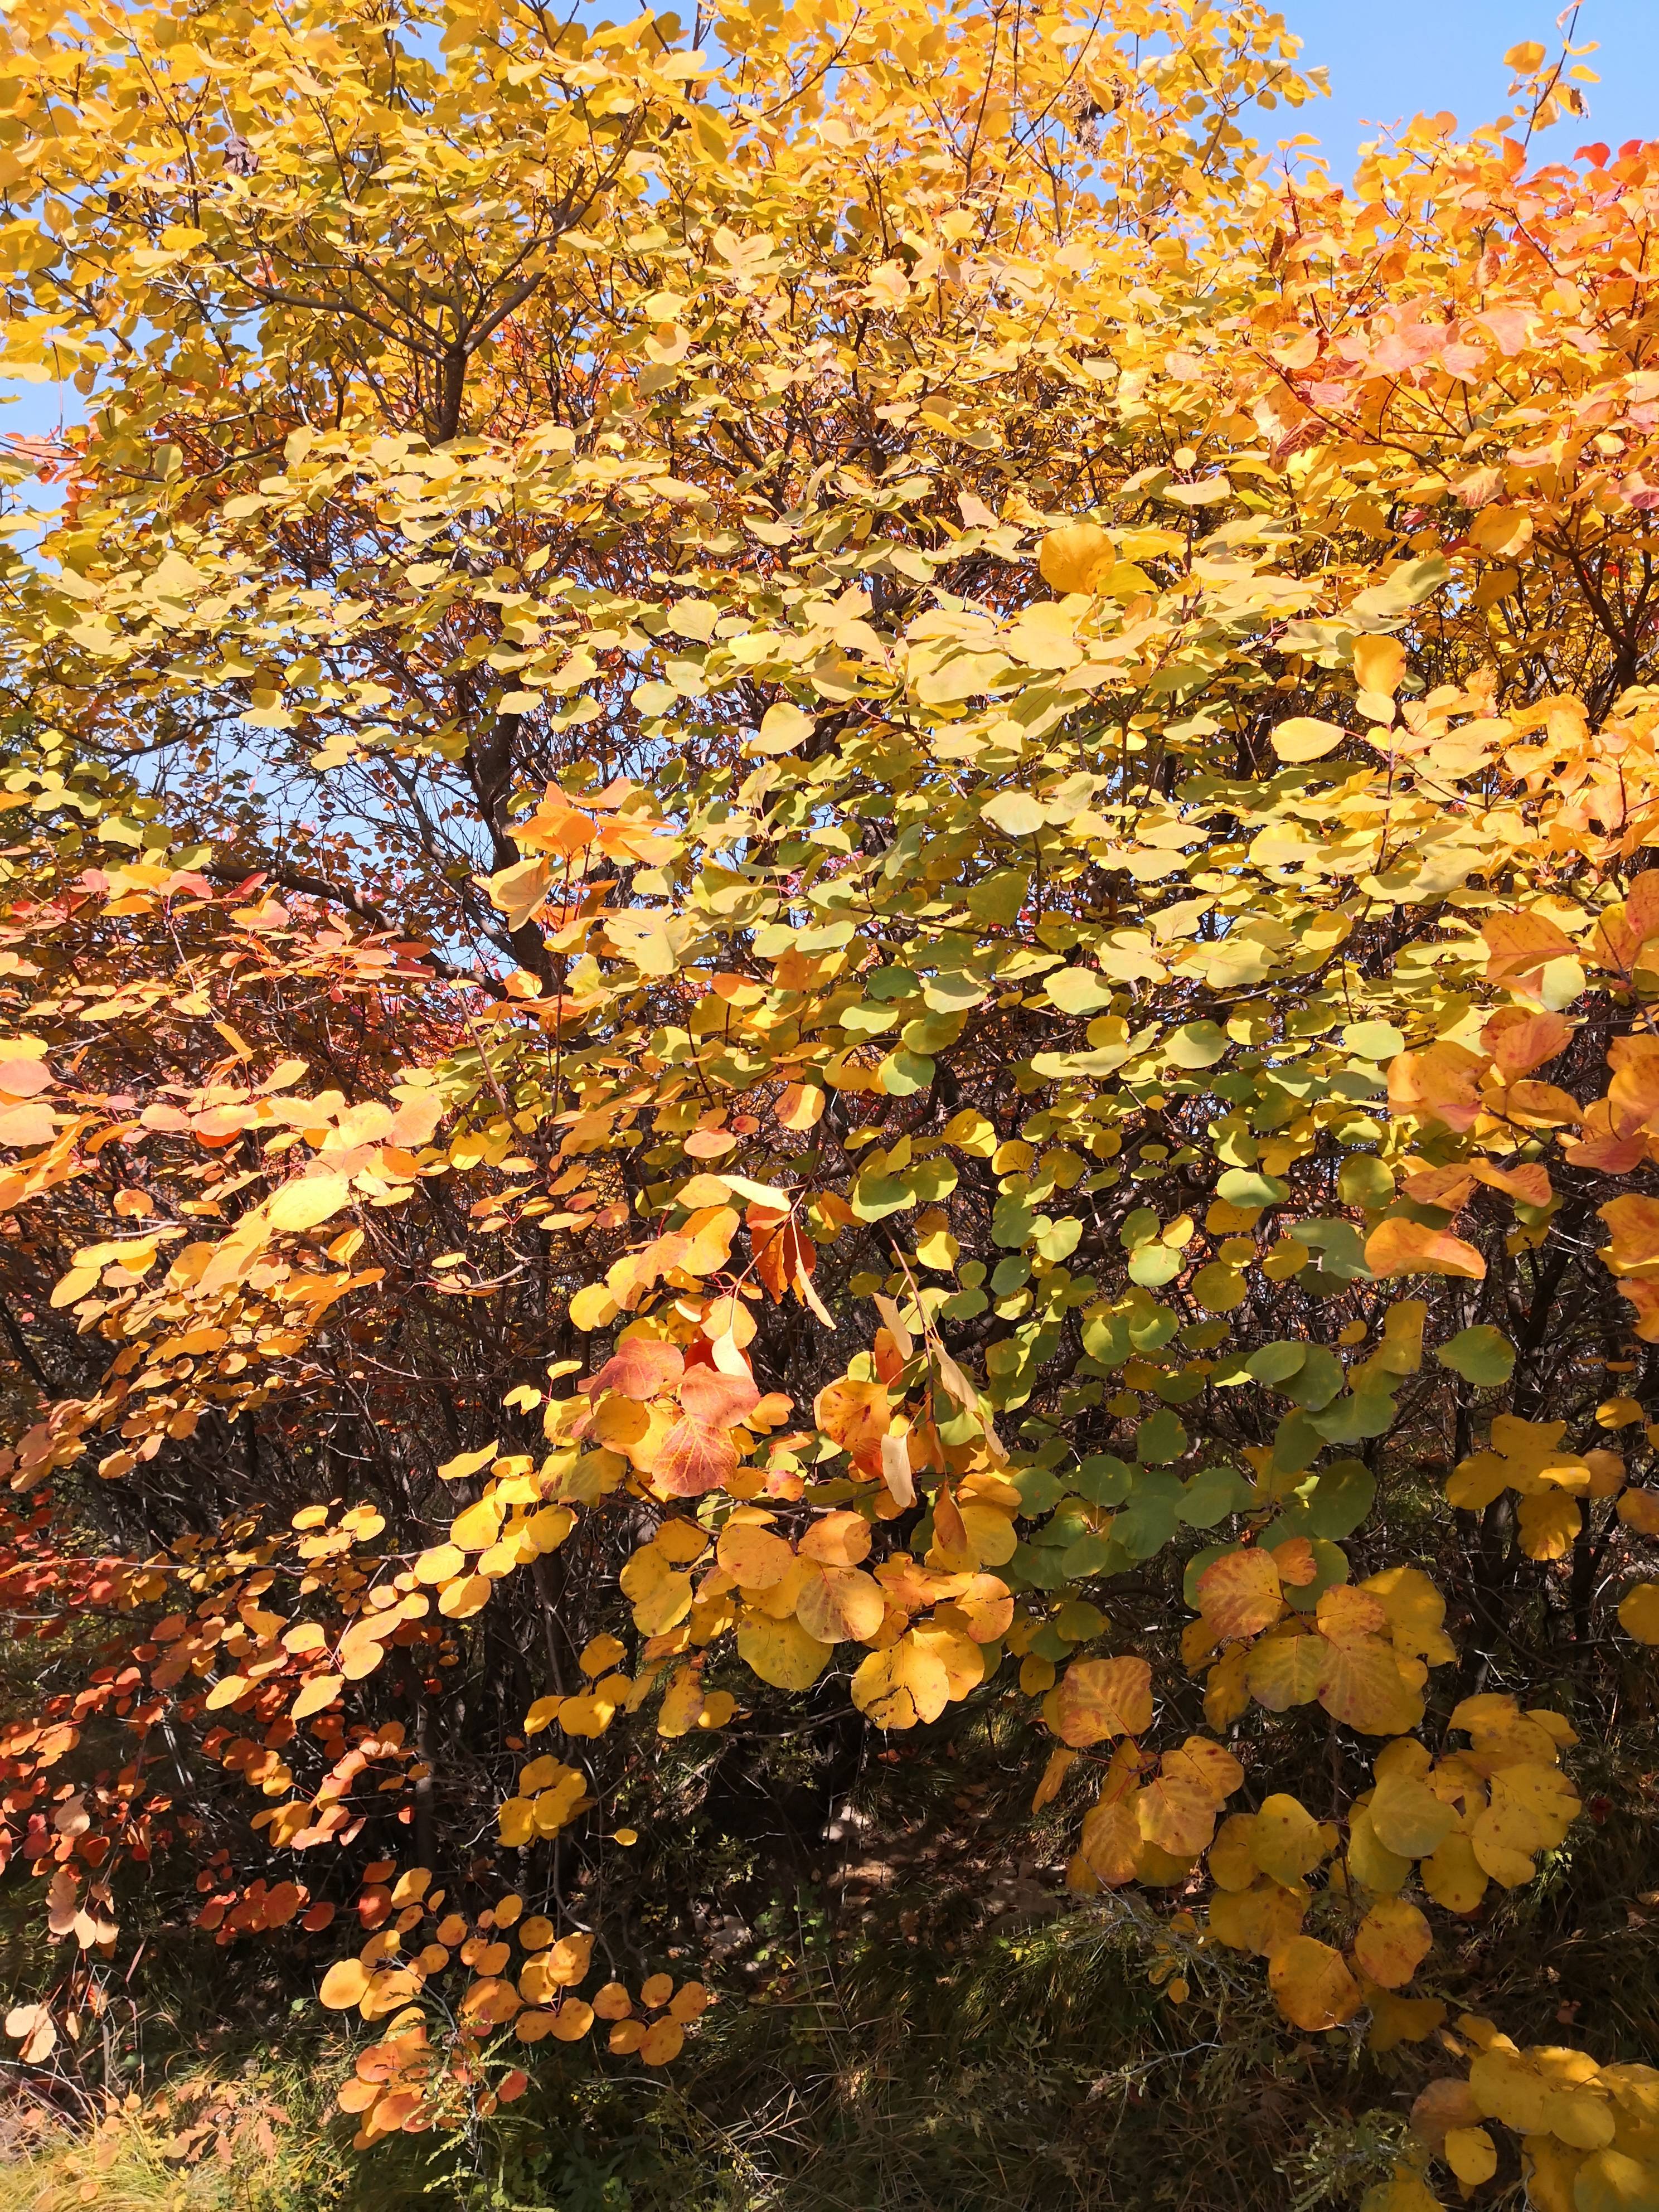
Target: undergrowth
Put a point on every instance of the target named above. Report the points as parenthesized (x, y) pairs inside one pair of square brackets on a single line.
[(924, 2024)]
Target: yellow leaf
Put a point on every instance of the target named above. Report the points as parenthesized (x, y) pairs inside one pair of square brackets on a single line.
[(1502, 531), (897, 1687), (592, 1307), (1405, 2192), (318, 1693), (1240, 1594), (1609, 2181), (1111, 1841), (1362, 1685), (1409, 1818), (783, 728), (1379, 663), (1071, 558), (1312, 1984), (1303, 738), (1548, 1524), (838, 1605), (782, 1653), (441, 1564), (1392, 1941), (476, 1527), (1285, 1669), (518, 892), (752, 1555), (1453, 1876), (1285, 1840), (1638, 1612), (461, 1598), (308, 1200), (466, 1463), (1396, 2020), (1634, 1225)]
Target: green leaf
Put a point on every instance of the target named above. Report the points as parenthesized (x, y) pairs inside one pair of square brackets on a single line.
[(1079, 1622), (1153, 1265), (1055, 1241), (1276, 1363), (1011, 1218), (1199, 1044), (875, 1196), (890, 983), (1249, 1186), (1340, 1496), (1159, 1438), (1151, 1325), (1481, 1355), (1330, 1567), (903, 1073), (1104, 1479), (1317, 1380), (1411, 582), (1349, 1420), (1341, 1243), (1364, 1181), (1106, 1338), (1296, 1444), (1148, 1521), (1212, 1494), (998, 899), (1219, 1287), (1078, 990), (1092, 1555), (1039, 1489), (1376, 1041)]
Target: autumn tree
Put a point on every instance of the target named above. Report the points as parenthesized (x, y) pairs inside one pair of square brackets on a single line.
[(830, 897)]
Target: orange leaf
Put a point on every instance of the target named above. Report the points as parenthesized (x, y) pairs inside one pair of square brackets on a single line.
[(1519, 1040), (693, 1458), (1100, 1698), (720, 1399), (1518, 946), (856, 1415), (1634, 1223), (343, 1984), (801, 1105), (1239, 1594), (1438, 1084), (1528, 1184), (1409, 1248)]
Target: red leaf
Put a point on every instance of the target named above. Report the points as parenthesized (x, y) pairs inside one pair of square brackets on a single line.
[(638, 1369)]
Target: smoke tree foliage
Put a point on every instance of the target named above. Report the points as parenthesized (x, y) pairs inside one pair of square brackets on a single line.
[(827, 881)]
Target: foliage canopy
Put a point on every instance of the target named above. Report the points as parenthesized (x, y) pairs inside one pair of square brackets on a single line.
[(831, 896)]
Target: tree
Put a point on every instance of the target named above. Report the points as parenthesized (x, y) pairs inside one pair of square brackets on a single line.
[(834, 889)]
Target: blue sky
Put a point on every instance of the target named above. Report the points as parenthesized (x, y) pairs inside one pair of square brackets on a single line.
[(1387, 59), (1390, 58)]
